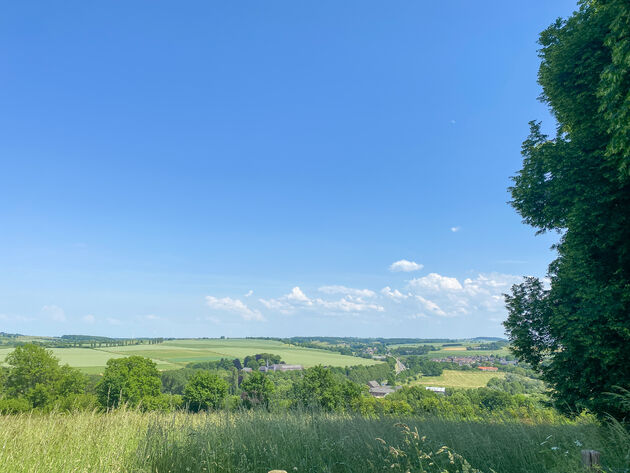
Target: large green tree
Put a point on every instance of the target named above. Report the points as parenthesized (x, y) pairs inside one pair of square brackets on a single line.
[(34, 374), (205, 391), (128, 380), (321, 388), (257, 389), (576, 331)]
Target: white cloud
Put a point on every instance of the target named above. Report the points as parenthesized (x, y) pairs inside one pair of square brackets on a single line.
[(448, 297), (436, 282), (347, 305), (455, 229), (297, 295), (235, 306), (431, 306), (348, 291), (288, 303), (54, 313), (88, 319), (249, 293), (353, 301), (405, 266), (152, 317), (394, 294)]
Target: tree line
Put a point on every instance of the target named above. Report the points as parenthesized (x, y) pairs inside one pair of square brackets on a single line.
[(34, 380)]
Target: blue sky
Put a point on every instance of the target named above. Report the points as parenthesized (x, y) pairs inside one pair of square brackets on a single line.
[(265, 168)]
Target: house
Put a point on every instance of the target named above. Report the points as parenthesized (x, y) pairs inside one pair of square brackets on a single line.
[(373, 384), (281, 367), (436, 390), (488, 368), (382, 390), (247, 369)]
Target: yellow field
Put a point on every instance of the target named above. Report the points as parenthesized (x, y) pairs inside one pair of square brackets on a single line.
[(458, 379)]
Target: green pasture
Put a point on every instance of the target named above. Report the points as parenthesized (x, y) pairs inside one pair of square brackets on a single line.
[(459, 379), (457, 350), (176, 354), (241, 347), (89, 360)]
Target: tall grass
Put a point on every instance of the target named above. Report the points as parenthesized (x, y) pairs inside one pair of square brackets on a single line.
[(78, 442), (130, 441)]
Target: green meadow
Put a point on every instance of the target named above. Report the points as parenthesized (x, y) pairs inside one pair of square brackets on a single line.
[(174, 354)]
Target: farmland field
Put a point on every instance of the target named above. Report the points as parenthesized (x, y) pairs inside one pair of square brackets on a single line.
[(88, 360), (175, 354), (460, 350), (459, 379), (456, 351)]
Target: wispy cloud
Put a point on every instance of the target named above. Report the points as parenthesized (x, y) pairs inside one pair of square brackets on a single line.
[(394, 294), (348, 291), (436, 282), (405, 266), (353, 301), (455, 229), (54, 313), (234, 306)]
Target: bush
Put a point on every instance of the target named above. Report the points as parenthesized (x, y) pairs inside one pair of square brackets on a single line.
[(14, 405), (163, 403)]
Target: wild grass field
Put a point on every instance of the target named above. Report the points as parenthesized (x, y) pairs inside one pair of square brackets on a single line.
[(174, 354), (459, 379), (256, 442)]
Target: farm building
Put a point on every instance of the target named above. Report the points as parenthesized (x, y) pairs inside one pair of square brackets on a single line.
[(488, 368), (382, 391), (436, 390), (373, 384), (281, 367)]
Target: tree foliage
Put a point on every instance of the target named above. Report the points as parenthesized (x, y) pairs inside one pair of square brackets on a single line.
[(257, 389), (205, 391), (321, 388), (128, 380), (577, 331), (35, 375)]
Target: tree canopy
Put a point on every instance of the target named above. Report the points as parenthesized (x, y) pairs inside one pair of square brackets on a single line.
[(577, 330), (128, 380), (205, 391), (35, 375)]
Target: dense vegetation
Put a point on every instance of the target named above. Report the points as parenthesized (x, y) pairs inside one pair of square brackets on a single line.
[(577, 332), (257, 441), (35, 380), (224, 419)]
